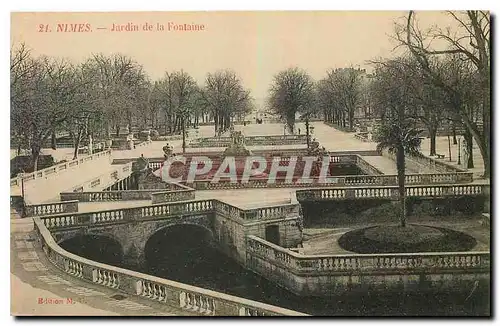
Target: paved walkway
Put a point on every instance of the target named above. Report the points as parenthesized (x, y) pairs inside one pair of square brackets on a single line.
[(243, 198), (250, 198), (443, 148), (34, 277), (48, 189)]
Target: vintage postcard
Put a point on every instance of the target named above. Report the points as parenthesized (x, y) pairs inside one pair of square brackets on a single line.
[(266, 163)]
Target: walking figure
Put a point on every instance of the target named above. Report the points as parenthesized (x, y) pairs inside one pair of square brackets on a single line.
[(299, 131)]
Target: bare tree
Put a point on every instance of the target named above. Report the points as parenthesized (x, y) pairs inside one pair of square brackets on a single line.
[(42, 91), (470, 42), (122, 83), (292, 91), (225, 96), (341, 94), (184, 96)]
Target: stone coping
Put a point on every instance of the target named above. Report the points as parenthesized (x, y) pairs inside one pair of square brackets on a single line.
[(56, 168), (354, 255), (47, 238)]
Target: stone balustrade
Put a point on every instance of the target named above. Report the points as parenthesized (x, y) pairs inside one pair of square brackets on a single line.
[(172, 196), (167, 138), (441, 262), (338, 193), (251, 141), (155, 165), (184, 192), (338, 181), (420, 162), (271, 212), (105, 181), (27, 177), (165, 210), (70, 206), (228, 210), (362, 136), (366, 167), (192, 299)]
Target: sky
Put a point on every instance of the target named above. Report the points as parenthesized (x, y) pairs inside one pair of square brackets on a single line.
[(256, 45)]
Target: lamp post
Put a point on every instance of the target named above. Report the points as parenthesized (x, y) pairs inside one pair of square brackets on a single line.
[(23, 201), (449, 147)]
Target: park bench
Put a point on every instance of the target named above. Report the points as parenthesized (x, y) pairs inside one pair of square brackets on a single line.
[(440, 156)]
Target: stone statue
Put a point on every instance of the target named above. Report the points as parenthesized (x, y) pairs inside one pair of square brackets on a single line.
[(466, 154), (237, 145), (109, 143), (141, 164), (167, 150), (90, 148), (140, 169), (130, 141)]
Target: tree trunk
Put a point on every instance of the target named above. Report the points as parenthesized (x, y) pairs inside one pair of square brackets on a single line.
[(77, 145), (400, 163), (53, 139), (35, 154), (183, 136), (216, 122), (454, 133), (469, 143), (351, 120), (432, 136), (117, 127)]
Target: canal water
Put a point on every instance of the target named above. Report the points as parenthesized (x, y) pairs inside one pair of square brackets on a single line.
[(189, 259)]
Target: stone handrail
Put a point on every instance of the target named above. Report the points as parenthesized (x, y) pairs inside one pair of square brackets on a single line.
[(428, 162), (366, 263), (166, 210), (271, 212), (57, 168), (103, 196), (167, 138), (362, 137), (117, 195), (121, 172), (338, 193), (367, 167), (172, 196), (228, 210), (340, 181), (250, 141), (193, 299), (70, 206)]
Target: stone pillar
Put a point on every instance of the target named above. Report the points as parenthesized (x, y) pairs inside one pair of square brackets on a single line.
[(487, 198), (133, 255)]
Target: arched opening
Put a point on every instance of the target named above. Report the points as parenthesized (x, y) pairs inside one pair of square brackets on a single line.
[(99, 248), (187, 253), (181, 252)]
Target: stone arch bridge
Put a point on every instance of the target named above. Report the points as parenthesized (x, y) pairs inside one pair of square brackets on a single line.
[(228, 225)]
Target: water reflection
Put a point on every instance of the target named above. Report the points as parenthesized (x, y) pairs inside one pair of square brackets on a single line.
[(187, 255)]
